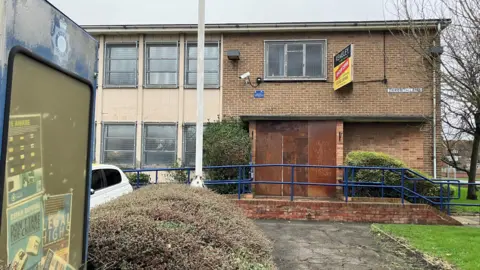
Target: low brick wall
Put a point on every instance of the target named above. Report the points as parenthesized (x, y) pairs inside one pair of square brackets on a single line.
[(375, 200), (364, 212)]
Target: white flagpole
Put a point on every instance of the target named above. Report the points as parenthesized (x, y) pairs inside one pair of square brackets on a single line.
[(198, 181)]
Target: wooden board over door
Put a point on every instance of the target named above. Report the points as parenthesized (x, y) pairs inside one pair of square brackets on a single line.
[(269, 151), (322, 139), (295, 151), (295, 142)]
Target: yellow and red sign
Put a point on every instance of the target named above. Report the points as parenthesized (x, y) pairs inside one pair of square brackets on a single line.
[(343, 67)]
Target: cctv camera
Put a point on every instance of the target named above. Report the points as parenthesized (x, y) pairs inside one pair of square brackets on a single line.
[(245, 75)]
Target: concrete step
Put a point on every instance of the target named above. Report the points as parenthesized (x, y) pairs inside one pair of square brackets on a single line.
[(468, 220)]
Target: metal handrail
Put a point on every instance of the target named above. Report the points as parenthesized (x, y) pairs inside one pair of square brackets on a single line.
[(346, 182)]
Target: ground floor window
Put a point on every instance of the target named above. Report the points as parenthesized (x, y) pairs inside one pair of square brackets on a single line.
[(189, 144), (189, 135), (119, 145), (159, 145)]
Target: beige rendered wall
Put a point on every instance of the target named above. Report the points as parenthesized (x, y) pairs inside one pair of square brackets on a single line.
[(151, 105)]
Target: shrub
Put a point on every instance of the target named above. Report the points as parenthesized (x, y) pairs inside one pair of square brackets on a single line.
[(143, 178), (178, 176), (392, 178), (226, 142), (175, 227)]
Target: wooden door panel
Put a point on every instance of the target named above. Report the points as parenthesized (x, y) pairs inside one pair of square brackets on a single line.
[(288, 152), (268, 151), (322, 151), (301, 174), (295, 151)]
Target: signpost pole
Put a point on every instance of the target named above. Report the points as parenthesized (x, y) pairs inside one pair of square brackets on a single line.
[(198, 181)]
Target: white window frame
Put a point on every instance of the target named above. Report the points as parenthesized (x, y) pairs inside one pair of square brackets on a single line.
[(185, 79), (184, 140), (184, 143), (144, 138), (104, 138), (147, 58), (106, 59), (295, 78), (94, 145)]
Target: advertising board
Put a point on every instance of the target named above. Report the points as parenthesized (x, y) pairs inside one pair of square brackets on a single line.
[(46, 108), (343, 68)]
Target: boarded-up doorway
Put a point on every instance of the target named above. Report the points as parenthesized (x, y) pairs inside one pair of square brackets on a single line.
[(295, 142)]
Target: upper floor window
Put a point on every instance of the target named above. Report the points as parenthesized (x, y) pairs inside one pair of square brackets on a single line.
[(161, 65), (121, 65), (290, 60), (212, 65)]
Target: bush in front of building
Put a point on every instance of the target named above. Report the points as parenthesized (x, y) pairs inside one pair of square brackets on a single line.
[(391, 178), (143, 178), (178, 176), (226, 142), (175, 227)]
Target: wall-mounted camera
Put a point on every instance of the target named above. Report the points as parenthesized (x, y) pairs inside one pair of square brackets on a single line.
[(246, 76)]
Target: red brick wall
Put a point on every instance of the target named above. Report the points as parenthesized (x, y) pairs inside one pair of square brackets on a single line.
[(405, 141), (404, 68), (345, 212)]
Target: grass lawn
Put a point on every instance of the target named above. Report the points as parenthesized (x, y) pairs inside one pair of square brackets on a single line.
[(463, 199), (459, 246)]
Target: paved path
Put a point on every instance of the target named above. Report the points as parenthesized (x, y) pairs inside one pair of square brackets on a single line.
[(315, 245), (469, 220)]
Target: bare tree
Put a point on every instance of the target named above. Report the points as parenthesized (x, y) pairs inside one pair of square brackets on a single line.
[(455, 66)]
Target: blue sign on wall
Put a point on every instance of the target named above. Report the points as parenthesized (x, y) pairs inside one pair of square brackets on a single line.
[(259, 94)]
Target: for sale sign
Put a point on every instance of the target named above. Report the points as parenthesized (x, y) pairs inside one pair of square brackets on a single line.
[(343, 67)]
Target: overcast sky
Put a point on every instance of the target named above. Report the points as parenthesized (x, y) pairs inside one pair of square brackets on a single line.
[(87, 12)]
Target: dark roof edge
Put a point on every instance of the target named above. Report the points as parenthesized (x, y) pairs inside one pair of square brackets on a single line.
[(387, 24), (419, 119)]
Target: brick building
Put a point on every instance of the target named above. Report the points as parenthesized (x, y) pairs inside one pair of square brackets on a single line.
[(146, 94), (461, 151)]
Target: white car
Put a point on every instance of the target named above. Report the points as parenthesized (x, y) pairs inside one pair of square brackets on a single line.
[(108, 183)]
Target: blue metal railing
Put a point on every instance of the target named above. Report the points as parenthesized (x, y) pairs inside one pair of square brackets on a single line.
[(407, 189)]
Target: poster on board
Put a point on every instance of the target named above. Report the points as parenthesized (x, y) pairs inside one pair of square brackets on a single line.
[(24, 234), (56, 234), (54, 262), (343, 68), (24, 173)]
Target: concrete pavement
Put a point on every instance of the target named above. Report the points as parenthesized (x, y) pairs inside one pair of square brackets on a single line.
[(322, 245)]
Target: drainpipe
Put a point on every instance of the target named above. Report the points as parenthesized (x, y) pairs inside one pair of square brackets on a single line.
[(435, 112)]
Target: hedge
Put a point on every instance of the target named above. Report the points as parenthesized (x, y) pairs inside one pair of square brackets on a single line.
[(226, 142), (392, 178), (143, 178), (175, 227)]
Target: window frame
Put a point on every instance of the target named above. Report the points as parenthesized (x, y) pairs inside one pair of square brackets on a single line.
[(144, 137), (266, 44), (184, 140), (104, 180), (103, 144), (94, 145), (186, 59), (104, 170), (106, 85), (145, 64)]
